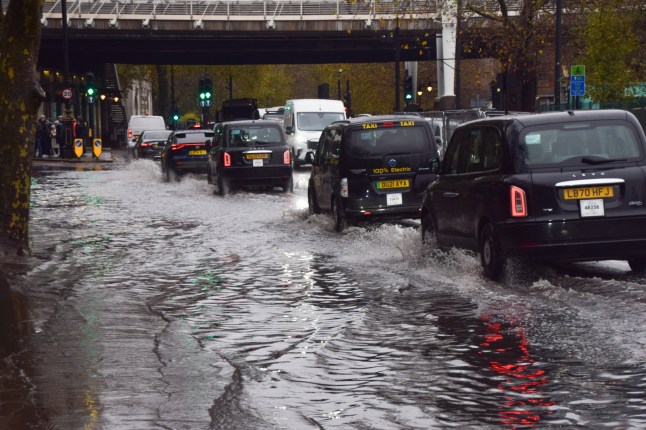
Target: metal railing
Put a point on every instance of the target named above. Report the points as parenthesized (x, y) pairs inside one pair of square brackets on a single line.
[(225, 9)]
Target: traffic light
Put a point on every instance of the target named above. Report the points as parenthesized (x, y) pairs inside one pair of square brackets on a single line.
[(90, 88), (205, 92), (175, 117), (408, 88)]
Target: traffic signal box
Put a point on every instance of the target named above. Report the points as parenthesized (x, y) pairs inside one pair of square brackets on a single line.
[(90, 88), (408, 88), (205, 93)]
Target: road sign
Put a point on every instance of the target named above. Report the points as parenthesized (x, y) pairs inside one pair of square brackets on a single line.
[(78, 148), (97, 147), (577, 70), (91, 99), (577, 85), (67, 93)]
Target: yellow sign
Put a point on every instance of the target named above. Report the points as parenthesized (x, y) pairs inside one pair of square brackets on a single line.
[(97, 147), (78, 148), (588, 193)]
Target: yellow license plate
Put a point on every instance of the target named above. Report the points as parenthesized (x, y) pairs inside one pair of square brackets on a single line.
[(257, 156), (588, 193), (399, 183), (197, 152)]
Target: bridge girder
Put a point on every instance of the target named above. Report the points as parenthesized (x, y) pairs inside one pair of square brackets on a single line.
[(89, 49)]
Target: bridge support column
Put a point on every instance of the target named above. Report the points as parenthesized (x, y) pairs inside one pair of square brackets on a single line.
[(446, 57)]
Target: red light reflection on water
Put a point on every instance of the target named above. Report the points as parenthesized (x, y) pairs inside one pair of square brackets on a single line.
[(508, 354)]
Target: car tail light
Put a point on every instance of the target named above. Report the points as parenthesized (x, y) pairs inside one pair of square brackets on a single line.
[(518, 202), (287, 158), (344, 187), (227, 159), (176, 146), (146, 145), (129, 133)]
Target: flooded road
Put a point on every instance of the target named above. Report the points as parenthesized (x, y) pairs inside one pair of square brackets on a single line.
[(151, 305)]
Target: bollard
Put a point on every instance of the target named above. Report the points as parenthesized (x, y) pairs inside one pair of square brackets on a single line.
[(97, 148)]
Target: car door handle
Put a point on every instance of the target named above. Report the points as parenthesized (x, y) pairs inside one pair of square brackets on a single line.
[(451, 194)]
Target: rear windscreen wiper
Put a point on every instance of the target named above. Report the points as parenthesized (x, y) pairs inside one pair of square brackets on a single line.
[(599, 160)]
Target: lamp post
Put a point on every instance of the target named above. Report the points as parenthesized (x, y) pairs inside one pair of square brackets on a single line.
[(68, 118), (419, 98)]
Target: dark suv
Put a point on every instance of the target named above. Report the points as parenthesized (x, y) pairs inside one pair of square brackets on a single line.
[(249, 153), (371, 167), (185, 152), (564, 186)]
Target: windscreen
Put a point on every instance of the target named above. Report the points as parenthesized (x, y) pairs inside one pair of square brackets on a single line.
[(255, 135), (582, 142), (316, 121), (388, 141)]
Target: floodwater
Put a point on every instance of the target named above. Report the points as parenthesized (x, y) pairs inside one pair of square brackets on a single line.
[(152, 305)]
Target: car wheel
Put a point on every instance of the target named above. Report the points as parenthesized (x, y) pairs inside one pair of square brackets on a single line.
[(289, 185), (224, 186), (312, 203), (491, 256), (340, 220), (429, 231), (165, 173), (637, 264)]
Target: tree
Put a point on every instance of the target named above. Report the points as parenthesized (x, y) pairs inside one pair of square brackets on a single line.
[(20, 97), (611, 48), (516, 38)]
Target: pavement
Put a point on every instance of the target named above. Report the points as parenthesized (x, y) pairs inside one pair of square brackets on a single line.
[(108, 155)]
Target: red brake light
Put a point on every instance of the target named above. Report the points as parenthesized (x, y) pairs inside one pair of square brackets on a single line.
[(146, 145), (287, 157), (388, 124), (129, 133), (176, 146), (518, 202), (227, 159)]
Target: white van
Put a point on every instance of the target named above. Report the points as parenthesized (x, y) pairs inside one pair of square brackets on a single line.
[(141, 123), (305, 119)]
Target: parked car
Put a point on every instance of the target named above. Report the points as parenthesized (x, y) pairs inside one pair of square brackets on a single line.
[(251, 153), (185, 152), (137, 124), (371, 168), (557, 187), (150, 144)]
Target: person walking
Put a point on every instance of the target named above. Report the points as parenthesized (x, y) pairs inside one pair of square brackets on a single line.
[(40, 126), (80, 130)]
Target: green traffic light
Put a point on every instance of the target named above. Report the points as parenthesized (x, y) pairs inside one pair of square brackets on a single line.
[(409, 96), (175, 117), (208, 94), (90, 91), (202, 96)]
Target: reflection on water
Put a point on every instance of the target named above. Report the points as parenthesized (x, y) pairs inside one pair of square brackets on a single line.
[(156, 305)]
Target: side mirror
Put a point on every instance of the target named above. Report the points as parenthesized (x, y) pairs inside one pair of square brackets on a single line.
[(309, 158), (434, 165), (289, 130)]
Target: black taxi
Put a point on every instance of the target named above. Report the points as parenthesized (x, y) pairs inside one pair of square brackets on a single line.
[(554, 187), (250, 154), (371, 168)]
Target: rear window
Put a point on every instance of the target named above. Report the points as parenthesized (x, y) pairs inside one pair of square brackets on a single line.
[(382, 141), (151, 135), (579, 143), (253, 135), (194, 137)]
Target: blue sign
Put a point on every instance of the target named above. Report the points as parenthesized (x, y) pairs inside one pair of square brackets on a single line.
[(577, 85)]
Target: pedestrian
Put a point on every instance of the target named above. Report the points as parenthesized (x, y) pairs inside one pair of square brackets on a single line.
[(40, 125), (46, 138), (60, 136), (80, 130)]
